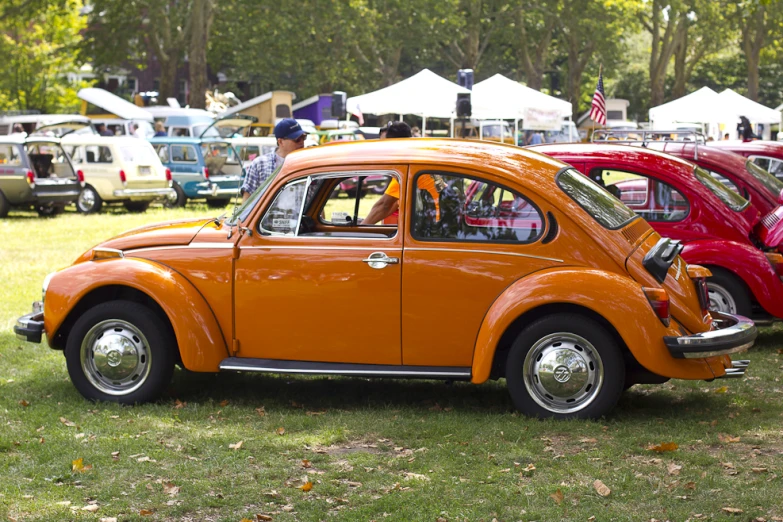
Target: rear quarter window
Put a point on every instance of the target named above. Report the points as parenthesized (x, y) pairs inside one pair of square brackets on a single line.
[(731, 199), (609, 211)]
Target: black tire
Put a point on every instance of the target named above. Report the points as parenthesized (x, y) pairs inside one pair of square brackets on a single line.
[(5, 206), (728, 293), (49, 209), (89, 202), (145, 369), (179, 200), (136, 206), (218, 203), (595, 369)]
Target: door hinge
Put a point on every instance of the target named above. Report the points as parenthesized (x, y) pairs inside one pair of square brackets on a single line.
[(235, 347), (235, 252)]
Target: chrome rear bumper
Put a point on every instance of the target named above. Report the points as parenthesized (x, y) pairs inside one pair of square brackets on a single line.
[(145, 193), (734, 334)]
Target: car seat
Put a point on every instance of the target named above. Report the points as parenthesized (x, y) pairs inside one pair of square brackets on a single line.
[(451, 202), (425, 222)]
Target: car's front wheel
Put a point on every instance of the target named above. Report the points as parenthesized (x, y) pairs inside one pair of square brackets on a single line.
[(565, 366), (89, 201), (120, 351)]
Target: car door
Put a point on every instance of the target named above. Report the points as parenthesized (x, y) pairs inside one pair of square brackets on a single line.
[(470, 236), (312, 284)]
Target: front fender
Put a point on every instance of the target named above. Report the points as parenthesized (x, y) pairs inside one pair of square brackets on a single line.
[(615, 297), (200, 340), (746, 262)]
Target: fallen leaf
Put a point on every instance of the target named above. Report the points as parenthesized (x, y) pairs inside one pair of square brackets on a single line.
[(145, 459), (109, 519), (417, 476), (731, 510), (67, 422), (280, 431), (224, 403), (145, 512), (265, 518), (64, 503), (170, 489), (307, 486), (557, 496), (178, 404), (287, 508), (690, 485), (665, 446), (236, 446), (588, 441), (722, 389), (727, 438), (261, 412), (529, 469), (306, 463), (673, 468), (23, 403), (92, 508), (759, 470), (312, 413), (601, 488), (77, 465), (115, 455)]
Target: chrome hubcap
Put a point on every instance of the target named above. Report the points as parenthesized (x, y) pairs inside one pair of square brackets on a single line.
[(563, 372), (720, 299), (86, 200), (115, 357)]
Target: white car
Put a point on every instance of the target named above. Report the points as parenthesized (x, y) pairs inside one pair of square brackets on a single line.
[(117, 170), (249, 148)]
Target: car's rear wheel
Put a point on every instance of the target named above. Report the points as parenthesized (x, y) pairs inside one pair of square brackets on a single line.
[(120, 351), (727, 293), (5, 206), (179, 199), (89, 201), (565, 366), (136, 206), (218, 203)]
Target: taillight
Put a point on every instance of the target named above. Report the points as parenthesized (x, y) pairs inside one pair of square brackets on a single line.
[(206, 173), (659, 301), (123, 178), (30, 178), (80, 176), (168, 174)]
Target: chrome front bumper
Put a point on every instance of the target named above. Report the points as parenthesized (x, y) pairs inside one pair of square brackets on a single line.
[(145, 193), (734, 334), (30, 327), (231, 184)]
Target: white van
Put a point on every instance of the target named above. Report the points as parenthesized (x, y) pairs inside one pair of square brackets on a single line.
[(117, 170)]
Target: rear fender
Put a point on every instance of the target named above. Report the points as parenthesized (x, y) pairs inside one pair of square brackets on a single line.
[(200, 340), (616, 298), (746, 262)]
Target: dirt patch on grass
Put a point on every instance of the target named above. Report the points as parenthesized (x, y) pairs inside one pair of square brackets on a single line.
[(351, 447)]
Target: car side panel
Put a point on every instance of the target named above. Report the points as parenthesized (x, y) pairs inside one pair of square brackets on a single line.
[(198, 335), (615, 297), (747, 262)]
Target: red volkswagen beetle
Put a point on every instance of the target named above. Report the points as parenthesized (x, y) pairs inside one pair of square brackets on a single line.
[(720, 229), (766, 154)]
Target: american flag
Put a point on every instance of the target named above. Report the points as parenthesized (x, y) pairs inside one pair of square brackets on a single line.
[(598, 109)]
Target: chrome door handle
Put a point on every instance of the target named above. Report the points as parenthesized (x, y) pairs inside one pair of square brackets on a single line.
[(379, 260)]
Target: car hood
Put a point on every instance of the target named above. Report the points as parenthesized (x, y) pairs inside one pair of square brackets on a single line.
[(169, 233)]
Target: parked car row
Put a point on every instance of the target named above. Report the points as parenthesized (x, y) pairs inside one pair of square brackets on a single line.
[(502, 263)]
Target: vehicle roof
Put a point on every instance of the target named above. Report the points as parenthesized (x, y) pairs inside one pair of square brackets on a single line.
[(96, 139), (21, 139), (770, 147), (471, 154), (188, 140), (627, 153), (705, 155), (163, 110), (31, 118)]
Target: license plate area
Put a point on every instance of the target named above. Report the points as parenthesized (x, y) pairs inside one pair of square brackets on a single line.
[(145, 171)]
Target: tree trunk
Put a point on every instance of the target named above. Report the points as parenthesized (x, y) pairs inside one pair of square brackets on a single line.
[(534, 65), (200, 22), (680, 60), (753, 37), (577, 61), (662, 48), (168, 78)]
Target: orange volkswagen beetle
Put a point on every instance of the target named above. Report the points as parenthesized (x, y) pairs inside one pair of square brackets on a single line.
[(504, 263)]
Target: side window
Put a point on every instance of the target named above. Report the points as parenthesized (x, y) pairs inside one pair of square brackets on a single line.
[(183, 154), (9, 155), (163, 153), (282, 216), (340, 208), (179, 131), (772, 165), (729, 184), (97, 154), (460, 208), (648, 197)]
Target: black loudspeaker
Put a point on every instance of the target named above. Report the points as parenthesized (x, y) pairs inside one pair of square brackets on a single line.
[(338, 105), (464, 107), (465, 78)]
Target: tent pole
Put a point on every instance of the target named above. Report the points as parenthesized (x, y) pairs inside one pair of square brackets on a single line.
[(423, 126), (516, 130)]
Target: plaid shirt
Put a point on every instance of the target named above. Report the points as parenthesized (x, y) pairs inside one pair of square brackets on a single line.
[(259, 170)]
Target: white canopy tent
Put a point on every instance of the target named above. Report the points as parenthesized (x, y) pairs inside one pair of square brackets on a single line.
[(114, 104), (424, 94), (502, 98)]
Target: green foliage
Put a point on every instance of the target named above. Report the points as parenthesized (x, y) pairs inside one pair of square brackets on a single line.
[(39, 48)]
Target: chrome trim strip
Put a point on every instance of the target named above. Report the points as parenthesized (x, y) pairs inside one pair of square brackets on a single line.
[(204, 246), (218, 192), (144, 192), (472, 251), (210, 245), (343, 372), (305, 247), (714, 353), (117, 253)]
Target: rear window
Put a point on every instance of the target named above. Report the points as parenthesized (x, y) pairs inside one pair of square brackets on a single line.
[(140, 155), (594, 199), (732, 200), (773, 184)]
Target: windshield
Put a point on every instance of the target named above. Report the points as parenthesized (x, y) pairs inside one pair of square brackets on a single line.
[(596, 200), (770, 182), (243, 211), (141, 154), (732, 200)]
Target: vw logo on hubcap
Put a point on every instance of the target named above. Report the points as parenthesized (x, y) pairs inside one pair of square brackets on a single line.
[(114, 358), (562, 374)]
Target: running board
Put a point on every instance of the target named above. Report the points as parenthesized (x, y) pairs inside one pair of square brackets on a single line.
[(365, 370)]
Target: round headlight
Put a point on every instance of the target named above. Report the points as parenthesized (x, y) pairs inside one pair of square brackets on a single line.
[(46, 285)]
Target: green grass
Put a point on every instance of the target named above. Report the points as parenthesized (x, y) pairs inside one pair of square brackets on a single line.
[(377, 449)]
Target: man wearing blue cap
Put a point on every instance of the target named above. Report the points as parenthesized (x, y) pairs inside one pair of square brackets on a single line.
[(290, 137)]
